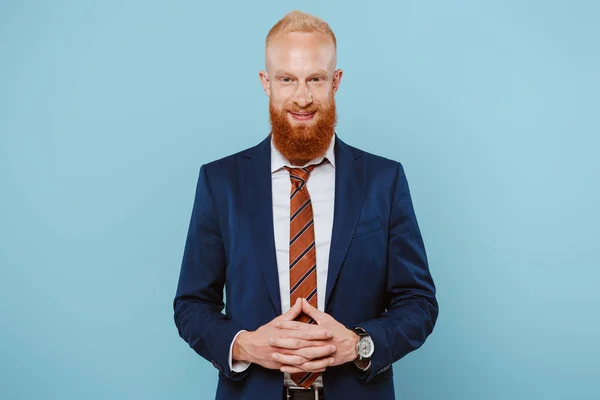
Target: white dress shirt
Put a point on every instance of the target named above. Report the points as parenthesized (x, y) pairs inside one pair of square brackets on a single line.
[(321, 187)]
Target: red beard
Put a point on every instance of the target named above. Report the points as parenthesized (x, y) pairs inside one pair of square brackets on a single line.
[(303, 142)]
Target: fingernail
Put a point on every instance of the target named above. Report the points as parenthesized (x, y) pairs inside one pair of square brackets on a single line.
[(332, 349), (329, 334), (331, 360), (284, 369), (278, 324), (275, 356), (271, 341)]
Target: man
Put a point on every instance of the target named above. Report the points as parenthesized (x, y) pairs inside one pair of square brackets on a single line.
[(316, 243)]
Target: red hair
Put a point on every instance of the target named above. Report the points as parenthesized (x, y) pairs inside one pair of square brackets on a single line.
[(298, 21)]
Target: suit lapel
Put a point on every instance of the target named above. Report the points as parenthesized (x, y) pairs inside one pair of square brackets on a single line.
[(255, 173), (349, 190)]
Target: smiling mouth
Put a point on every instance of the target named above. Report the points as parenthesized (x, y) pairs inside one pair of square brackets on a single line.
[(302, 116)]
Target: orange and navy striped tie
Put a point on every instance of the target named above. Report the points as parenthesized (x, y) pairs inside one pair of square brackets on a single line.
[(303, 259)]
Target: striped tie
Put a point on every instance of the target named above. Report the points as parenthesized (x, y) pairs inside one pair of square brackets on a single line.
[(303, 260)]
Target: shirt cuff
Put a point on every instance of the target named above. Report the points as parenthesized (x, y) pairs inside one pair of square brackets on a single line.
[(363, 365), (237, 366)]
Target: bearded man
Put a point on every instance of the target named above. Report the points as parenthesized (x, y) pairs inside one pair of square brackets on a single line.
[(315, 242)]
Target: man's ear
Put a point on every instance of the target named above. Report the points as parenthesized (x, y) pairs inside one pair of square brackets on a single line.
[(337, 79), (264, 80)]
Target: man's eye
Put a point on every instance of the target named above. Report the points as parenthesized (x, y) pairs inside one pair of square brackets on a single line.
[(316, 79), (286, 80)]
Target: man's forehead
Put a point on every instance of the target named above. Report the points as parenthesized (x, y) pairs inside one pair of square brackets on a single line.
[(299, 48)]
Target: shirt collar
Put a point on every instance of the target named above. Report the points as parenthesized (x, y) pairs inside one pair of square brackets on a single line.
[(278, 161)]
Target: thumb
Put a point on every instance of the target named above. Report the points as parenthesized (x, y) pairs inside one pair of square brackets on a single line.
[(292, 313), (312, 312)]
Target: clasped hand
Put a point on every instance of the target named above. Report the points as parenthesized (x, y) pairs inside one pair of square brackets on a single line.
[(293, 346)]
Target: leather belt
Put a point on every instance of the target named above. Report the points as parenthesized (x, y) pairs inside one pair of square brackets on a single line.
[(313, 393)]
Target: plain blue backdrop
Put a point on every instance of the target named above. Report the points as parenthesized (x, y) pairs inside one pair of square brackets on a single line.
[(108, 109)]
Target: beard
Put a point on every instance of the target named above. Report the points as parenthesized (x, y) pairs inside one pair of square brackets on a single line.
[(303, 141)]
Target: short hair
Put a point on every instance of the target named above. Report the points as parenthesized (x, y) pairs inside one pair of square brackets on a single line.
[(298, 21)]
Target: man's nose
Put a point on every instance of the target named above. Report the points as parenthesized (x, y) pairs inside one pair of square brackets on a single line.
[(302, 97)]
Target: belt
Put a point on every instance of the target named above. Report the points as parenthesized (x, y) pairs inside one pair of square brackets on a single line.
[(292, 393)]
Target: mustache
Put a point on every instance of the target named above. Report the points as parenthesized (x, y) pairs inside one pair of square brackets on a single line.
[(310, 109)]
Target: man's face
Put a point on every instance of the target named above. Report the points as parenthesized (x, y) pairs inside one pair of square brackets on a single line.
[(301, 82)]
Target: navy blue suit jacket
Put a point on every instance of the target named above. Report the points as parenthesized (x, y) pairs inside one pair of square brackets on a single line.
[(378, 276)]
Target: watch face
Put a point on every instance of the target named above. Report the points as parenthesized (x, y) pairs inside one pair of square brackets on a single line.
[(365, 347)]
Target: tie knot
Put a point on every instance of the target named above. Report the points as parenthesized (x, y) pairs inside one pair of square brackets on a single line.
[(300, 175)]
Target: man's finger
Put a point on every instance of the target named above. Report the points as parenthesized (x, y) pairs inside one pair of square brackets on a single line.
[(312, 331), (289, 359), (310, 353), (292, 370), (312, 312), (292, 313), (306, 334), (289, 343), (296, 343), (317, 364), (291, 325), (311, 366)]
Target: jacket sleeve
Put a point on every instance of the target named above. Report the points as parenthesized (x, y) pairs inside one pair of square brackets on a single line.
[(198, 303), (411, 305)]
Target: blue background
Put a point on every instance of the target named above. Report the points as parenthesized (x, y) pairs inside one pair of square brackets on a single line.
[(108, 109)]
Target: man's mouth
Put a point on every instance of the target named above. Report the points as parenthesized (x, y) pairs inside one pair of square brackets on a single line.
[(302, 116)]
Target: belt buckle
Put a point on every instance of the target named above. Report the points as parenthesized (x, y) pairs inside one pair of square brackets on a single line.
[(312, 389)]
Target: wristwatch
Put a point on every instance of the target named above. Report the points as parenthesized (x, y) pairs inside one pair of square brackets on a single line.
[(365, 347)]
